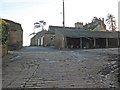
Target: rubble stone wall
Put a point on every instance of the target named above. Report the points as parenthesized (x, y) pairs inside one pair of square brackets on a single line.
[(3, 50)]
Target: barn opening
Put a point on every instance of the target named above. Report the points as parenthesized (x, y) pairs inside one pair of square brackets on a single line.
[(113, 42), (101, 43), (73, 42)]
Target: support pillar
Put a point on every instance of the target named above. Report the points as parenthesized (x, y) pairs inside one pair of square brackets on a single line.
[(94, 42), (118, 43), (80, 42), (106, 42)]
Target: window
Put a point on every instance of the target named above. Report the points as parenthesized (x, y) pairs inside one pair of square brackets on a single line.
[(51, 38)]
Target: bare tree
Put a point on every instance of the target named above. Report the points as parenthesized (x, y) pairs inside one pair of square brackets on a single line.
[(111, 22)]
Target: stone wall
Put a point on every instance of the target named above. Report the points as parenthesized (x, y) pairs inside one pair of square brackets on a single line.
[(59, 40), (49, 40), (15, 39), (32, 42), (78, 25), (43, 38), (3, 50)]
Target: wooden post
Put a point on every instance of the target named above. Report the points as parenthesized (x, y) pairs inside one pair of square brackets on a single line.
[(118, 43), (94, 42), (106, 42), (81, 42)]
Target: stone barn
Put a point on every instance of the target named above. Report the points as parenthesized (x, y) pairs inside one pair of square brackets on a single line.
[(37, 40), (90, 35), (69, 38), (43, 38), (15, 39)]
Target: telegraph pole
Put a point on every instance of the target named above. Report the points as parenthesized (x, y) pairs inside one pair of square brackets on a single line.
[(63, 14)]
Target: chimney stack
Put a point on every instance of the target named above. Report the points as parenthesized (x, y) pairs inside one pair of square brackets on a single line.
[(78, 25), (103, 20)]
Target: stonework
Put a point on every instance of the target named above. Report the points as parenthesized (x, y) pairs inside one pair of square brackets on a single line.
[(81, 36), (43, 38), (59, 40), (15, 39), (97, 25), (49, 39), (43, 67), (79, 25), (3, 50)]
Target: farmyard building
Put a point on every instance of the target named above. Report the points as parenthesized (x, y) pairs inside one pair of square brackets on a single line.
[(15, 39), (91, 35)]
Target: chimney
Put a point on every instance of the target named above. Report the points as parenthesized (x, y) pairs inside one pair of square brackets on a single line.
[(78, 25), (103, 24), (103, 20)]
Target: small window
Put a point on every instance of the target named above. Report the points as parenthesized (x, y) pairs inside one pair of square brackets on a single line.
[(51, 38)]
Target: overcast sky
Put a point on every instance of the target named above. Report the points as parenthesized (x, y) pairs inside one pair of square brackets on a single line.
[(27, 12)]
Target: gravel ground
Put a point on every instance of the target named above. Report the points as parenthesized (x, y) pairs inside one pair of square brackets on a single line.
[(83, 68)]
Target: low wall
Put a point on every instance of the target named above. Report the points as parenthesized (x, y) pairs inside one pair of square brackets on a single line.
[(3, 50)]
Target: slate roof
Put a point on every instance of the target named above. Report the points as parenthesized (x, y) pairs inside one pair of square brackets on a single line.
[(42, 33), (45, 32), (77, 33), (14, 25), (53, 28), (82, 32)]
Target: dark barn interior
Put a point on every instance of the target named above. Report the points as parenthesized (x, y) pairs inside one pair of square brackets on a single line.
[(86, 42), (113, 42), (73, 42), (101, 43)]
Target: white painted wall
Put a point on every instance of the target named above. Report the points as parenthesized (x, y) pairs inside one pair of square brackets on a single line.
[(42, 41)]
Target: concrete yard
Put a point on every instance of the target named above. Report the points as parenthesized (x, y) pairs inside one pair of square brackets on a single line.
[(43, 67)]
